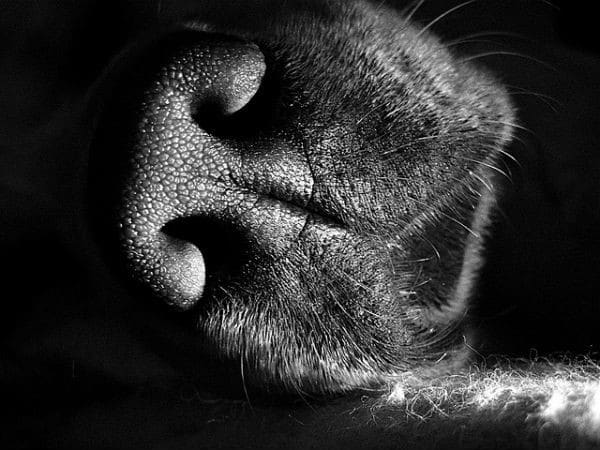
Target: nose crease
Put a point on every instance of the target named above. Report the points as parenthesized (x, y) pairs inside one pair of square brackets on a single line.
[(284, 174)]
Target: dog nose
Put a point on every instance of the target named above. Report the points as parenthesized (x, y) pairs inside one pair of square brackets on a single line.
[(175, 168)]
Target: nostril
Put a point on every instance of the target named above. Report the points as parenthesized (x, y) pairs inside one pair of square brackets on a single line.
[(228, 75), (246, 99), (237, 71), (223, 247)]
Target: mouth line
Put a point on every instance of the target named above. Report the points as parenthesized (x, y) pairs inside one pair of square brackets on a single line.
[(270, 200), (317, 215), (268, 197)]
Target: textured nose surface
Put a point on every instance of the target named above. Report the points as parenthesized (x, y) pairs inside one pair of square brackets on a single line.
[(177, 169)]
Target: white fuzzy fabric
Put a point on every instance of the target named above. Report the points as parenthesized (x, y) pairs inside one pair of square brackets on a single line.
[(541, 404)]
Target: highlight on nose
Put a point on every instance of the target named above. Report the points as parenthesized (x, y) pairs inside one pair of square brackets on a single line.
[(184, 273), (173, 160)]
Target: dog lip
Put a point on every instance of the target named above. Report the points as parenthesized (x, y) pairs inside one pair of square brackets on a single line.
[(296, 204), (300, 214), (317, 214)]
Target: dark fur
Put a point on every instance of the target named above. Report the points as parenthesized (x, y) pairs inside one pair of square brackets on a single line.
[(396, 141)]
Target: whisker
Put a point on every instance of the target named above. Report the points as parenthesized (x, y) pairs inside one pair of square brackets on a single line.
[(368, 113), (508, 53), (490, 166), (303, 395), (441, 16), (488, 186), (414, 9), (449, 328), (497, 149), (510, 124), (550, 101), (416, 282), (469, 186), (380, 5), (483, 34), (453, 133), (550, 4), (471, 41), (244, 381), (453, 219)]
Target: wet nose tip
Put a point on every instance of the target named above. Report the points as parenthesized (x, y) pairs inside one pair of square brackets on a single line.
[(202, 79)]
